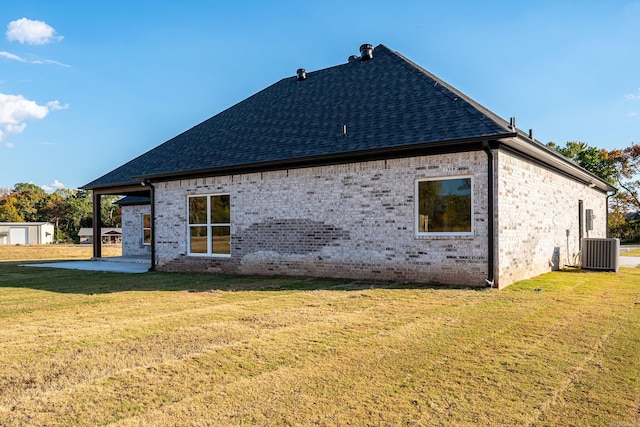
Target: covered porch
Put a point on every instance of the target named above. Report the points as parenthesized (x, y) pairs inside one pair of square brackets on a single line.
[(141, 190)]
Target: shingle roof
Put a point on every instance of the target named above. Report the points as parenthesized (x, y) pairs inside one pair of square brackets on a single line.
[(133, 200), (386, 103)]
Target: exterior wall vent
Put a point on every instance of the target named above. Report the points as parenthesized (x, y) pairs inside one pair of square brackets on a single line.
[(600, 254), (301, 73), (366, 52)]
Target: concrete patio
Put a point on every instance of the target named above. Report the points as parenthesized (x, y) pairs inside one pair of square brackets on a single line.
[(127, 264)]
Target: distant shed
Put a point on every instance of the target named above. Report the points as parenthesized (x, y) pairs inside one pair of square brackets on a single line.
[(26, 233)]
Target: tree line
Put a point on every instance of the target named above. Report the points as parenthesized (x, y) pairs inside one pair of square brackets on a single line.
[(621, 169), (69, 210)]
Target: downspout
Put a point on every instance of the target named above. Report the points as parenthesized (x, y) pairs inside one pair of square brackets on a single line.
[(607, 210), (490, 216), (152, 196)]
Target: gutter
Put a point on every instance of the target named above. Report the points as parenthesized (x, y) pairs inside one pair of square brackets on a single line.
[(490, 216)]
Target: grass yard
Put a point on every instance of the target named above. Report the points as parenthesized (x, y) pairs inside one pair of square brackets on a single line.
[(87, 348), (40, 252)]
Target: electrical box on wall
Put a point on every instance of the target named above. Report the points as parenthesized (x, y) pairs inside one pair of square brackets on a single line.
[(589, 219)]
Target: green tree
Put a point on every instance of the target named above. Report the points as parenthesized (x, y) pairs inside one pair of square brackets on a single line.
[(109, 212), (77, 212), (30, 201), (595, 160)]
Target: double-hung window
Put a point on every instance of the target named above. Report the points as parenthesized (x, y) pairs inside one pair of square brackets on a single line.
[(210, 225), (146, 228), (444, 206)]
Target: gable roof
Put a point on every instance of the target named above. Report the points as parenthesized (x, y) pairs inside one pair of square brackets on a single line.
[(385, 103)]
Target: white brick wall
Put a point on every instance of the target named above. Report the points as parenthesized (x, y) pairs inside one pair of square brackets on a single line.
[(132, 230), (366, 209), (536, 207), (358, 221)]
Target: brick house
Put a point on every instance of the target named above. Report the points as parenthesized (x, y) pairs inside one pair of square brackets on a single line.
[(372, 169)]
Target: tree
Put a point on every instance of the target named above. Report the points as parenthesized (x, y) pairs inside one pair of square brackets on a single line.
[(9, 210), (109, 212), (627, 166), (54, 211), (596, 160), (30, 200), (78, 212)]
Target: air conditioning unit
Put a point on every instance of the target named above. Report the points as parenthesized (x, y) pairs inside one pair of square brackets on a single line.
[(600, 254)]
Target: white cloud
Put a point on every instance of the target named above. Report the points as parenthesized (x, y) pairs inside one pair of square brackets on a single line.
[(55, 105), (31, 32), (15, 127), (11, 56), (55, 185), (14, 57), (50, 61), (632, 97), (8, 144), (15, 110), (633, 114)]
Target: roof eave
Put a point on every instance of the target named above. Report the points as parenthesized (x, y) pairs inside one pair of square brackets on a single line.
[(556, 160), (335, 158)]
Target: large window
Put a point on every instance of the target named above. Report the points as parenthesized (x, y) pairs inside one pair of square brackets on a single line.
[(210, 225), (444, 206), (146, 229)]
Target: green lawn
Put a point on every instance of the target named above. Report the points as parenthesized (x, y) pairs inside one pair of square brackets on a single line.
[(91, 348)]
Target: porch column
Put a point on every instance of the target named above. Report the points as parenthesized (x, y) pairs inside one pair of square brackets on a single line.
[(97, 225)]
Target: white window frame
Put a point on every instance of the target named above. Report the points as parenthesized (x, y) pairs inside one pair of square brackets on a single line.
[(142, 215), (209, 225), (417, 207)]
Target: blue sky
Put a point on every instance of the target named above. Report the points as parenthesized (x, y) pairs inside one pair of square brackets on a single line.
[(86, 86)]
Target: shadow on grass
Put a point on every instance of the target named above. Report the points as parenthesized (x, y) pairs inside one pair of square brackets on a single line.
[(98, 282)]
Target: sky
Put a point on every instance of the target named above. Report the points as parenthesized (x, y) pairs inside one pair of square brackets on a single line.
[(86, 86)]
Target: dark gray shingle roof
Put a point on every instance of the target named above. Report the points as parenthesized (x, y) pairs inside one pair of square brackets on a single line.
[(133, 200), (385, 103)]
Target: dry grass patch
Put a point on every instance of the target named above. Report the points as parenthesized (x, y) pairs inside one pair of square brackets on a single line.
[(58, 252), (90, 348)]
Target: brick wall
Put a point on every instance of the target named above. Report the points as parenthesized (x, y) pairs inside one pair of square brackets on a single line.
[(357, 221), (132, 230), (536, 207), (353, 221)]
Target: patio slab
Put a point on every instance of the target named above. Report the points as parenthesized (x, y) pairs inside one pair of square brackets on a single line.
[(112, 267), (629, 261)]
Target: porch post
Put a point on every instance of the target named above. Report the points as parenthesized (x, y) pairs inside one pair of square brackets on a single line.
[(97, 225)]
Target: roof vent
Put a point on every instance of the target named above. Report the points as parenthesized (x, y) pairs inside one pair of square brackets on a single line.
[(366, 50), (353, 58), (302, 74)]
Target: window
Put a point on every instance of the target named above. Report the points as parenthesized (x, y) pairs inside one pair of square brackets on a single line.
[(210, 225), (444, 206), (146, 228)]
